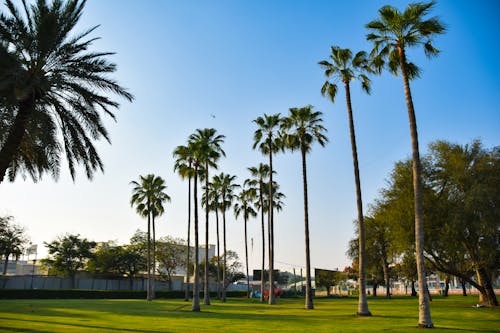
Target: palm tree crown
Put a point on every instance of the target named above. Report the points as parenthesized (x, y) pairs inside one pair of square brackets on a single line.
[(344, 67), (303, 127), (394, 32), (148, 195), (49, 77)]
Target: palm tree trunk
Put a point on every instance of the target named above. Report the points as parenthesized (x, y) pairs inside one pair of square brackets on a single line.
[(424, 314), (270, 213), (206, 291), (153, 273), (246, 253), (186, 296), (15, 137), (262, 280), (362, 301), (196, 287), (218, 253), (309, 301), (224, 269), (149, 296)]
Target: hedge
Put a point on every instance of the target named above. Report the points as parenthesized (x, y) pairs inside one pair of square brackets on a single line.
[(97, 294)]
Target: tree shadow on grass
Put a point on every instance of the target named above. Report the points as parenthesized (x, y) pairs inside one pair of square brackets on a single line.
[(121, 329)]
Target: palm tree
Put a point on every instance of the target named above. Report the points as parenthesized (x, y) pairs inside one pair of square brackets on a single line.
[(184, 166), (148, 196), (50, 79), (243, 206), (260, 175), (207, 144), (226, 190), (301, 129), (267, 141), (392, 34), (214, 205), (343, 67), (277, 204), (193, 153)]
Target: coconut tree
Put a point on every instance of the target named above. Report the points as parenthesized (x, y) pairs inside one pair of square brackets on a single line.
[(392, 34), (49, 78), (345, 68), (226, 187), (259, 175), (244, 206), (184, 167), (302, 128), (267, 141), (207, 144), (148, 197)]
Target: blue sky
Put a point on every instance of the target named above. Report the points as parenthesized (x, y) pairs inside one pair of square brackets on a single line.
[(188, 60)]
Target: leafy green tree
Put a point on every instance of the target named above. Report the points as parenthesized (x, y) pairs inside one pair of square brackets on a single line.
[(346, 68), (302, 128), (268, 142), (148, 196), (13, 239), (68, 254), (327, 279), (460, 192), (244, 206), (53, 87), (205, 147), (184, 167), (126, 260), (467, 184), (392, 35), (374, 270), (232, 269), (260, 174), (171, 253), (408, 270)]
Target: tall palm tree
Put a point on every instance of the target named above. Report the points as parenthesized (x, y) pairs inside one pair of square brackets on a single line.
[(302, 128), (345, 68), (392, 34), (184, 166), (277, 205), (50, 78), (214, 205), (193, 152), (148, 197), (226, 191), (259, 175), (267, 140), (208, 146), (244, 206)]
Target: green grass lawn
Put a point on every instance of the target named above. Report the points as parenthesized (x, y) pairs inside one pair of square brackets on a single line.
[(453, 314)]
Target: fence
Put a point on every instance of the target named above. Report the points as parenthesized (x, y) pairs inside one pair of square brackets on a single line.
[(54, 282)]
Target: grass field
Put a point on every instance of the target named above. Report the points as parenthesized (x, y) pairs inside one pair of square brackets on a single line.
[(453, 314)]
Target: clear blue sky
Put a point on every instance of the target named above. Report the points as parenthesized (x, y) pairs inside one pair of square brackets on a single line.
[(187, 60)]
